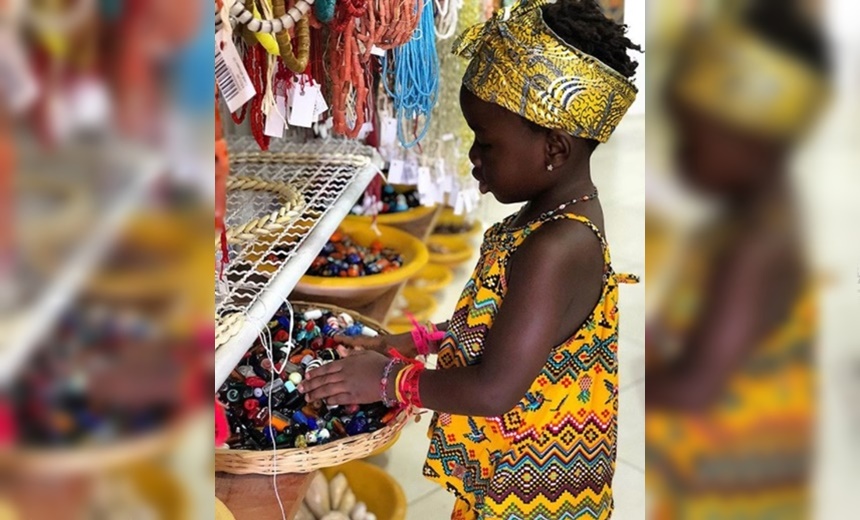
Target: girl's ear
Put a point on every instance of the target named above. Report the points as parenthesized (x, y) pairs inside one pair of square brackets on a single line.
[(559, 147)]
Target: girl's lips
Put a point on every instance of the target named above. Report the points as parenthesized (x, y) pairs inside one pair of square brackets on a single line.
[(482, 185)]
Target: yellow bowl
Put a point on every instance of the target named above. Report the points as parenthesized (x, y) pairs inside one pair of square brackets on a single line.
[(418, 302), (457, 250), (377, 489), (363, 290), (432, 278), (448, 218), (399, 328), (393, 219)]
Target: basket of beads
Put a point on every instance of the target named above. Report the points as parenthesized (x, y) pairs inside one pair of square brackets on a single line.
[(272, 429), (399, 205), (357, 265), (451, 224)]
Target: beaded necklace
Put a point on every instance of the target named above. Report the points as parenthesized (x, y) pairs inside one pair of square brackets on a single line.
[(296, 63), (257, 71), (388, 24), (415, 78), (348, 82), (553, 212)]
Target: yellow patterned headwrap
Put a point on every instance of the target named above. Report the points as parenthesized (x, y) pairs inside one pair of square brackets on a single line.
[(520, 64), (734, 75)]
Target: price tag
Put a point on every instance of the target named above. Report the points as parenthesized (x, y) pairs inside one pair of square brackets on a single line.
[(447, 137), (395, 171), (303, 100), (410, 172), (321, 105), (426, 187), (366, 128), (230, 74), (275, 120), (376, 51), (460, 204), (389, 131), (18, 85)]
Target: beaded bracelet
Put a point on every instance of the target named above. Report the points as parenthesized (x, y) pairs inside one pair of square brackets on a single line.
[(406, 384), (383, 383)]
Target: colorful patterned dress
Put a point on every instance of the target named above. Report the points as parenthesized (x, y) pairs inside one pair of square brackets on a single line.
[(553, 455)]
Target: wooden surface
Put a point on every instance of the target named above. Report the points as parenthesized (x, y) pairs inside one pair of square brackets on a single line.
[(252, 497)]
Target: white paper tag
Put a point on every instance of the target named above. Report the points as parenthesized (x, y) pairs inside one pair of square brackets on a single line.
[(230, 74), (366, 128), (303, 100), (275, 122), (410, 172), (460, 204), (90, 103), (425, 186), (321, 105), (376, 51), (18, 85), (395, 171), (389, 131), (447, 137)]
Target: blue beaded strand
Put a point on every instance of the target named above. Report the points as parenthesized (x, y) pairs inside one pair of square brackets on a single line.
[(416, 77), (324, 10)]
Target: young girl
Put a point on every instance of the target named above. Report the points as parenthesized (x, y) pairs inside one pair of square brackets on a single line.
[(527, 391)]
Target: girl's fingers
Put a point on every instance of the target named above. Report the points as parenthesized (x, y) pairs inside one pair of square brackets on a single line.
[(335, 393), (341, 400), (320, 379), (329, 368)]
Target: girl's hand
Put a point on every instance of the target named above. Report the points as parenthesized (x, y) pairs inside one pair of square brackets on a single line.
[(352, 380), (400, 342)]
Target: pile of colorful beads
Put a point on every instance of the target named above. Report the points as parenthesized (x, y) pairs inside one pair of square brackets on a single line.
[(344, 258), (260, 381), (392, 202)]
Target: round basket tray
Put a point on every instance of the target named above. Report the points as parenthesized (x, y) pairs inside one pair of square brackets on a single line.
[(278, 206), (365, 289), (432, 278), (448, 218), (458, 250), (418, 302), (306, 460)]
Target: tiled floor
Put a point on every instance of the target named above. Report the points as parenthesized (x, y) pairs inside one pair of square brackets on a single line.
[(618, 171)]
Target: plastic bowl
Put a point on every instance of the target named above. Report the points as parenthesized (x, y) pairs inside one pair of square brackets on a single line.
[(458, 250), (432, 278), (419, 303), (448, 218), (363, 290), (394, 219), (377, 489)]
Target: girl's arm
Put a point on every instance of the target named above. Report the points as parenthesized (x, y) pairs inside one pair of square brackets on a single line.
[(554, 282), (752, 293)]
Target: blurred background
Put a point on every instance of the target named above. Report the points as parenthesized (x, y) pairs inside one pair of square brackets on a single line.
[(753, 259), (106, 194)]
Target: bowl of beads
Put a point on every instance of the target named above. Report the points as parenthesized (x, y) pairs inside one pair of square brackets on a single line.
[(412, 301), (432, 278), (449, 250), (357, 265), (451, 224), (399, 205), (273, 429), (353, 491)]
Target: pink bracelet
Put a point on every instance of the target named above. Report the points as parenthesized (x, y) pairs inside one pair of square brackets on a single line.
[(422, 337)]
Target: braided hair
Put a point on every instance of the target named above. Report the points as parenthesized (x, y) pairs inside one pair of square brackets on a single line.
[(583, 25)]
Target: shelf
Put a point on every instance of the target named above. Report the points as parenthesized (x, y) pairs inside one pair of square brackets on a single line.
[(116, 197), (262, 273)]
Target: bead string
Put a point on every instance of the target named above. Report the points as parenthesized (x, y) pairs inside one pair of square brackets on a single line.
[(348, 82), (415, 79), (447, 16), (257, 62), (295, 62), (388, 24), (245, 17), (553, 212)]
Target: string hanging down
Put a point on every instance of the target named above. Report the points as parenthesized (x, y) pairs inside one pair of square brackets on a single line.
[(413, 80)]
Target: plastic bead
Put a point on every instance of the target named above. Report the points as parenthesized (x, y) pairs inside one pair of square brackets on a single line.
[(296, 378), (313, 314)]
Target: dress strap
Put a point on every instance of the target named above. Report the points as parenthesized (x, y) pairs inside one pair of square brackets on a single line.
[(626, 278)]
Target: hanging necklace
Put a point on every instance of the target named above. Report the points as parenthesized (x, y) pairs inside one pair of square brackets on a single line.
[(295, 62), (555, 211)]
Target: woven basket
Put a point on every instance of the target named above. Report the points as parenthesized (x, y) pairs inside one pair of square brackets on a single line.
[(306, 460)]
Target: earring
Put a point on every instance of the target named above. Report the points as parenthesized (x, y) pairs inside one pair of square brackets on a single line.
[(550, 167)]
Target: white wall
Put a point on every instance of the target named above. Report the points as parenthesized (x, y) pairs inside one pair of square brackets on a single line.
[(634, 17)]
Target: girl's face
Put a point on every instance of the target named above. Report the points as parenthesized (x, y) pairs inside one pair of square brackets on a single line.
[(509, 157)]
